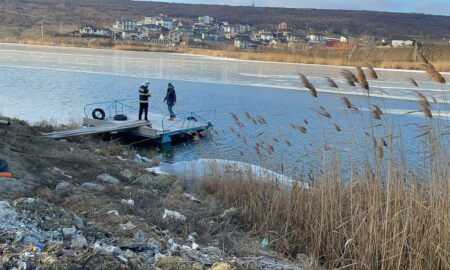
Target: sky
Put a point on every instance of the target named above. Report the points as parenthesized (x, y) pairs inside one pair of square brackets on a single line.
[(437, 7)]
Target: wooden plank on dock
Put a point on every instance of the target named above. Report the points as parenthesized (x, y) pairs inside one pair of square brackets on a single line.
[(117, 126)]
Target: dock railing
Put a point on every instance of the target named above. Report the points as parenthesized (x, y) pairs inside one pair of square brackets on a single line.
[(118, 106), (122, 106)]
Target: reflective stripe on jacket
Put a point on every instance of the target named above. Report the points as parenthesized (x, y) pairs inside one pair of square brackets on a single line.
[(143, 94)]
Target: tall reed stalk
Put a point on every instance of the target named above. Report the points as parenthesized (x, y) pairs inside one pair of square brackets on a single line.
[(383, 216)]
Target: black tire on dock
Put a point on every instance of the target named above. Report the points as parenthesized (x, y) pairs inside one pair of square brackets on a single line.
[(120, 117), (3, 166), (100, 111)]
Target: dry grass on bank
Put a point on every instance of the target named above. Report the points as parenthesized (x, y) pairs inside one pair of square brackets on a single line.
[(395, 58), (373, 212)]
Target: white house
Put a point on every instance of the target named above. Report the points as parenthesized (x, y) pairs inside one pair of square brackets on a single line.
[(125, 25), (150, 20), (148, 29), (232, 29), (316, 38), (167, 23), (200, 28), (266, 36), (160, 20), (94, 31), (131, 35), (185, 30), (245, 28), (206, 19), (174, 37), (212, 36), (403, 43)]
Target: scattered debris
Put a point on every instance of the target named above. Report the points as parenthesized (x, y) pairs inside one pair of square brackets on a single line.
[(265, 243), (174, 216), (129, 202), (156, 171), (191, 197), (106, 249), (58, 170), (127, 226), (69, 231), (113, 213), (78, 241)]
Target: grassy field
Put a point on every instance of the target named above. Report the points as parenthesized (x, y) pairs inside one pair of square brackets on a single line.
[(396, 58), (373, 212)]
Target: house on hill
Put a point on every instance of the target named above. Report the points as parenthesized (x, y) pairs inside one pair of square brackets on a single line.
[(130, 25), (266, 36), (244, 42), (282, 27), (277, 41), (316, 38), (245, 28), (402, 42), (90, 30), (231, 31), (174, 37), (148, 29), (200, 28), (206, 20), (131, 35), (185, 30), (211, 36), (161, 20)]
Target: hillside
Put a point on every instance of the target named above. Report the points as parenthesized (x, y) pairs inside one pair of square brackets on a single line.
[(23, 17)]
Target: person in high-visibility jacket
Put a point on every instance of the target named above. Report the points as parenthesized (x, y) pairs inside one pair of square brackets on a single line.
[(144, 94)]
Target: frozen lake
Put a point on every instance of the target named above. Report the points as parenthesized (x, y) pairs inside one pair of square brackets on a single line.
[(54, 83)]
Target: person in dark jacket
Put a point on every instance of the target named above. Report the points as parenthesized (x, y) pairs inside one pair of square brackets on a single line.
[(144, 94), (171, 99)]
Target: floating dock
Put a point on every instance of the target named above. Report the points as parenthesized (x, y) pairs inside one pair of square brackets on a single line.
[(160, 128)]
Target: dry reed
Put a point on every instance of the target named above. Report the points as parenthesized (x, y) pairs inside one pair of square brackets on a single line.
[(331, 83), (382, 215), (346, 102), (414, 82), (349, 77), (371, 72), (362, 78), (321, 110), (431, 70), (308, 85)]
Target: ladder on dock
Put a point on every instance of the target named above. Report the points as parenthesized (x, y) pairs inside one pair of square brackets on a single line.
[(128, 125)]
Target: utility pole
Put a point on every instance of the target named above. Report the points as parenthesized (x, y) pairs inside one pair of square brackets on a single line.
[(42, 29), (415, 51)]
